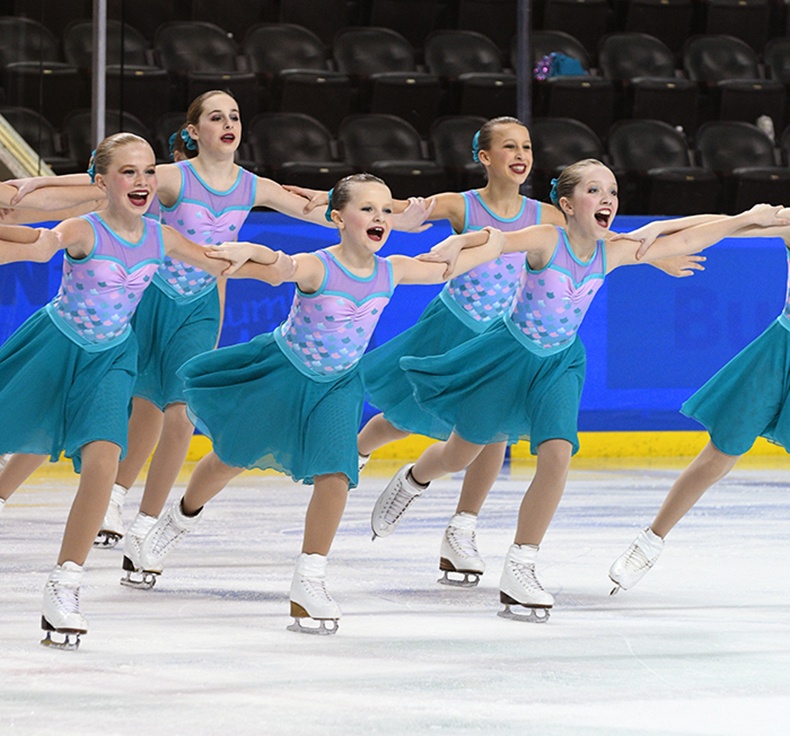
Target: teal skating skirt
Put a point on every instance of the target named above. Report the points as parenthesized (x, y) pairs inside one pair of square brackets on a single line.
[(56, 397), (748, 397), (386, 386), (261, 412), (169, 334), (493, 389)]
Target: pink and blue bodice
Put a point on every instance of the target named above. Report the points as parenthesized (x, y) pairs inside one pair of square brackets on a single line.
[(485, 293), (206, 216), (550, 304), (99, 293), (327, 331)]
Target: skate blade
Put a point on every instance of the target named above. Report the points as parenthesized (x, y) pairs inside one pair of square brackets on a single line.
[(325, 627), (535, 615), (67, 644), (107, 540), (469, 580), (137, 578)]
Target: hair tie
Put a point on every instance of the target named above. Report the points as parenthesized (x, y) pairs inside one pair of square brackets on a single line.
[(476, 147), (328, 213), (553, 193), (189, 141), (171, 145), (92, 167)]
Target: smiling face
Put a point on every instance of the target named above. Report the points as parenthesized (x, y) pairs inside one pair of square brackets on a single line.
[(130, 178), (509, 154), (366, 218), (593, 203), (218, 124)]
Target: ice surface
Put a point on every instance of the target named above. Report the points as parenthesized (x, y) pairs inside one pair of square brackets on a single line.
[(701, 646)]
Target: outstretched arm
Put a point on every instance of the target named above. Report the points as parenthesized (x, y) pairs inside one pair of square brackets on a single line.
[(476, 247), (693, 239), (261, 263), (19, 243)]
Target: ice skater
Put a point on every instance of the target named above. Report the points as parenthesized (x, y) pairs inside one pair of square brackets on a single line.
[(746, 399), (467, 306), (81, 347), (523, 377), (292, 399)]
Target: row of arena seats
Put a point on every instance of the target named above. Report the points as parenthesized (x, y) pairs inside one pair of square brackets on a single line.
[(754, 21), (286, 67), (730, 166)]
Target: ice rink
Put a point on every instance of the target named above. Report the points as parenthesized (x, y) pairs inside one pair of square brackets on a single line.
[(701, 646)]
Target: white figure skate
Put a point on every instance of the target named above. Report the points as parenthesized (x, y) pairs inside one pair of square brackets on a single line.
[(112, 528), (2, 504), (60, 609), (459, 553), (310, 599), (631, 566), (519, 586), (393, 502), (165, 536), (136, 577), (363, 461)]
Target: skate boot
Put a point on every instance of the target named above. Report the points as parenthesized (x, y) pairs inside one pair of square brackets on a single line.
[(363, 461), (459, 553), (520, 587), (165, 536), (631, 566), (310, 599), (112, 528), (393, 502), (60, 610), (136, 577)]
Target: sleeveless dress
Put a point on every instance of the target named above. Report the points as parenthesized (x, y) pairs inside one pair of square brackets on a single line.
[(748, 397), (66, 374), (523, 377), (292, 399), (180, 317), (467, 306)]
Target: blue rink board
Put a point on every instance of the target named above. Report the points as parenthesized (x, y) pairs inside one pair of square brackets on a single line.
[(651, 340)]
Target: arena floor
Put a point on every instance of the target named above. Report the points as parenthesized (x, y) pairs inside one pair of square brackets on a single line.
[(701, 646)]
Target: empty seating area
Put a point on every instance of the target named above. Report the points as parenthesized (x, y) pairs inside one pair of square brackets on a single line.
[(675, 95)]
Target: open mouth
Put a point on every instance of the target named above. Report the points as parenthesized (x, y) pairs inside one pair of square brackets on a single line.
[(519, 169), (228, 138), (138, 199), (376, 233), (602, 217)]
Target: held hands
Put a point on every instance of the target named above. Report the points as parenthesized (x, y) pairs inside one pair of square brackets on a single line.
[(313, 196), (446, 252), (23, 188), (237, 254), (680, 266), (50, 243), (645, 236), (284, 268), (767, 215), (412, 219)]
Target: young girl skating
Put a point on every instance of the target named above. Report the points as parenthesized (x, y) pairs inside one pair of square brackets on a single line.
[(292, 399), (523, 377), (66, 375)]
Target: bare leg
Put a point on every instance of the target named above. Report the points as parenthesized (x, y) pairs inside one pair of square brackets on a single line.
[(544, 492), (99, 467), (16, 471), (445, 457), (480, 477), (168, 459), (208, 478), (324, 513), (145, 427), (377, 433), (709, 467)]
